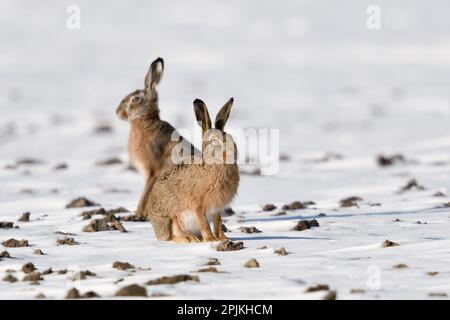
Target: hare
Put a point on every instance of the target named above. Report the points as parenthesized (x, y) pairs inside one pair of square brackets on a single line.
[(187, 194), (149, 143)]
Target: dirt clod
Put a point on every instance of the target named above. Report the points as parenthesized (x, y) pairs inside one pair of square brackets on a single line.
[(437, 294), (10, 278), (109, 162), (213, 262), (385, 161), (110, 222), (47, 271), (123, 265), (412, 184), (73, 294), (40, 295), (250, 230), (282, 251), (269, 207), (388, 243), (319, 287), (228, 212), (209, 269), (350, 201), (67, 241), (90, 294), (38, 252), (13, 243), (173, 279), (331, 295), (306, 224), (132, 290), (28, 267), (82, 275), (5, 254), (230, 246), (33, 277), (400, 266), (433, 273), (357, 290), (25, 217), (6, 225), (81, 202), (252, 263), (281, 213), (296, 205)]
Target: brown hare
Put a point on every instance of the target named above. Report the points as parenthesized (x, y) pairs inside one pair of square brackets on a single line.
[(149, 144), (187, 194)]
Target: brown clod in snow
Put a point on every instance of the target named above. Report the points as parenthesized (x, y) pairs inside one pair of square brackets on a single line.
[(319, 287), (10, 278), (437, 294), (385, 161), (439, 194), (47, 271), (105, 224), (25, 217), (432, 273), (6, 225), (81, 202), (350, 202), (33, 276), (13, 243), (388, 243), (224, 228), (412, 184), (40, 295), (122, 265), (173, 279), (230, 246), (282, 252), (298, 205), (331, 295), (133, 217), (132, 290), (61, 166), (5, 254), (38, 252), (306, 224), (227, 212), (65, 233), (109, 162), (357, 290), (252, 263), (250, 230), (88, 214), (281, 213), (73, 294), (213, 262), (400, 266), (29, 161), (90, 294), (82, 275), (67, 241), (209, 269), (28, 267), (269, 207)]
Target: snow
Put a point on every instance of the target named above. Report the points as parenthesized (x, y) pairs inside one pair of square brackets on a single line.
[(311, 69)]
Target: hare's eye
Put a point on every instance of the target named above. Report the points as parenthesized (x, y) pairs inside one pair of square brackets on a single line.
[(136, 99), (216, 141)]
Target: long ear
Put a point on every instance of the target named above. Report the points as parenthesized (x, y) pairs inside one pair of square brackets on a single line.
[(154, 74), (222, 116), (202, 114)]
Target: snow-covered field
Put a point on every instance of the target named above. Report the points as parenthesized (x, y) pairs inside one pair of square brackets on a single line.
[(309, 68)]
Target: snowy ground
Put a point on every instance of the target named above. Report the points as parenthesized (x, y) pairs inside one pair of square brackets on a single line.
[(311, 69)]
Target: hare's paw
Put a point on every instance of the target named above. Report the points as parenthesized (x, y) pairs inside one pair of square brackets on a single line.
[(185, 238), (210, 238)]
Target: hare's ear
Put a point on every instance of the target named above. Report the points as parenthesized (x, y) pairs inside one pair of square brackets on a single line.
[(202, 114), (222, 116), (154, 74)]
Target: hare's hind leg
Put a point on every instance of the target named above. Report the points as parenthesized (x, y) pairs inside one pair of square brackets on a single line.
[(180, 235), (218, 230)]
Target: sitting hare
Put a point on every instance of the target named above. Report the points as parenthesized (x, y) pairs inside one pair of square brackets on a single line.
[(149, 144), (185, 195)]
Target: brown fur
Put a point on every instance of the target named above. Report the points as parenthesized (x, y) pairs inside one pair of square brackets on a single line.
[(199, 187), (149, 143)]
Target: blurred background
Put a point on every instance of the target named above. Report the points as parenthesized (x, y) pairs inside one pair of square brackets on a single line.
[(312, 69)]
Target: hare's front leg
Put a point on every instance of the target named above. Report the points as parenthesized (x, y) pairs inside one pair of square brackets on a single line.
[(218, 230), (141, 214), (204, 226)]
